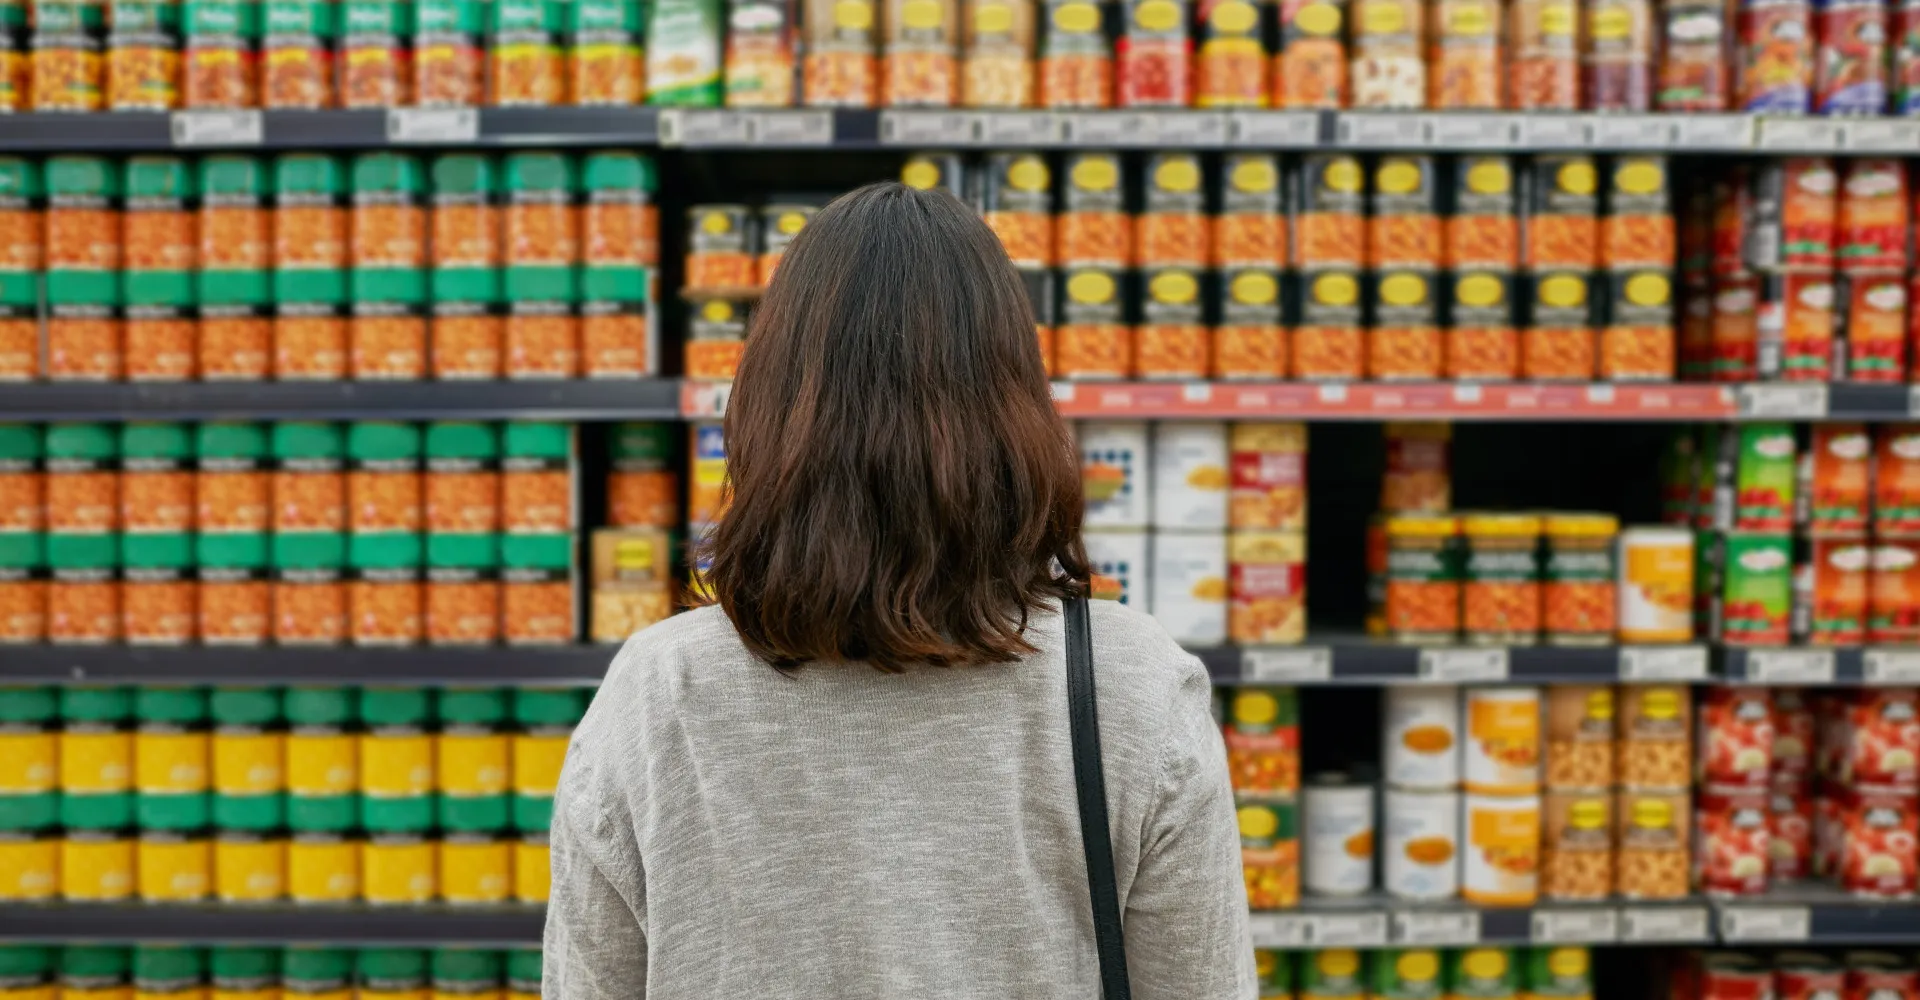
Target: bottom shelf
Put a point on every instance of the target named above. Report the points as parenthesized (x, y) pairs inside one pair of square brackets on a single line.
[(508, 926)]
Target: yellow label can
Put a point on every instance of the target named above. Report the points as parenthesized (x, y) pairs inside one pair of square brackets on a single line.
[(170, 762), (29, 762), (173, 868), (249, 763), (474, 763), (323, 869), (532, 875), (248, 869), (322, 764), (398, 870), (96, 761), (397, 766), (38, 991), (29, 867), (96, 867), (475, 869), (536, 762)]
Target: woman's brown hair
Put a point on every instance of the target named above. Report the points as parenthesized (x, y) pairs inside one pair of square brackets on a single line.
[(900, 487)]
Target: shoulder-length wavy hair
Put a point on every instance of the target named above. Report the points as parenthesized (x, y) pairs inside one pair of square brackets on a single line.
[(901, 488)]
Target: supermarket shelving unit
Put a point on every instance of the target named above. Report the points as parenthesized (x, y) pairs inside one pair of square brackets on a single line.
[(371, 926), (626, 399)]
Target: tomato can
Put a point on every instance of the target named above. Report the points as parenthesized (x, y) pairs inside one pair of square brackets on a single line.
[(1881, 744), (1795, 213), (1421, 737), (1872, 233), (1795, 324), (1878, 975), (1806, 975), (1756, 588), (1501, 850), (1906, 59), (1877, 833), (1337, 853), (1735, 327), (1418, 854), (1896, 480), (1735, 743), (1836, 495), (1838, 605), (1793, 737), (1893, 592), (1850, 57), (1731, 840), (1732, 976), (1790, 833), (1872, 323)]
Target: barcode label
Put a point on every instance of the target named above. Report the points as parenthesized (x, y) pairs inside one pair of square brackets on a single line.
[(1766, 923), (217, 128), (1574, 926), (409, 125), (1663, 663), (1790, 666), (1445, 928), (1291, 666), (1663, 923), (1457, 666)]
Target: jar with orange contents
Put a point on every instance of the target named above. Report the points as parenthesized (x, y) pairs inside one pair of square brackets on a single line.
[(143, 59), (449, 50), (840, 68), (1076, 55), (220, 62), (309, 594), (297, 54), (387, 336), (604, 63), (375, 62), (235, 254), (997, 65), (1500, 597), (919, 64), (1423, 578), (1481, 341), (1577, 589), (16, 69), (758, 60), (536, 593), (83, 589), (1093, 226), (524, 54), (462, 603), (67, 63)]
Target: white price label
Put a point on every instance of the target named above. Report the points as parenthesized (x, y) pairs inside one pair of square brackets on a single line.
[(687, 127), (1441, 928), (1600, 393), (1880, 136), (433, 124), (1792, 135), (1019, 128), (1632, 132), (1471, 131), (1190, 129), (1765, 923), (1663, 663), (1383, 130), (1280, 930), (1713, 132), (1891, 666), (929, 128), (1275, 129), (1794, 401), (793, 128), (217, 128), (1348, 930), (1648, 924), (1555, 132), (1063, 392), (711, 400), (1790, 666), (1467, 393), (1332, 392), (1574, 926), (1463, 665), (1291, 666), (1107, 128), (1913, 401), (1197, 392)]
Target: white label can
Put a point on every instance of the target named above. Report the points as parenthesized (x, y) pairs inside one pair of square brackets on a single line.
[(1500, 850), (1190, 476), (1113, 473), (1419, 856), (1502, 745), (1190, 586), (1421, 739), (1119, 561), (1337, 858)]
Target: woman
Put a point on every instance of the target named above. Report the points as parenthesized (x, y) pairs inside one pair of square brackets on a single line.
[(850, 777)]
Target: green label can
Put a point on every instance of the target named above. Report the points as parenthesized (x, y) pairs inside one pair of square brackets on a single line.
[(1482, 974), (1564, 973), (1406, 974), (1764, 478), (1756, 590), (1273, 973), (1333, 974)]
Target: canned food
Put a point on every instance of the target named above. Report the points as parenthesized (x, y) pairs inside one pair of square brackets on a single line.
[(1728, 976), (1872, 323), (1872, 233), (1773, 68), (1576, 845), (779, 224), (1578, 594), (1850, 58), (1579, 736), (1268, 463), (1876, 836), (1269, 852), (1790, 833), (1731, 840), (1416, 477), (1500, 598), (1896, 481), (1837, 606), (1501, 849), (1406, 974), (1880, 745), (1805, 975), (1421, 737), (1273, 974), (1334, 974), (1118, 560), (1092, 339), (1263, 741), (1795, 209), (1328, 342), (1338, 854), (1093, 226), (1880, 975), (1795, 323), (1330, 229), (1893, 611), (1656, 585), (1651, 836), (1655, 725), (1249, 338), (1189, 586), (1502, 748), (1836, 495), (1736, 737), (1419, 856), (1113, 469), (719, 254), (1423, 578), (1017, 204), (1171, 339), (1482, 340), (1267, 580), (1793, 736)]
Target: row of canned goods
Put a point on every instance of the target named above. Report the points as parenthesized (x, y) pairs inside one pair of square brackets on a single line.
[(238, 970), (1567, 579), (250, 794), (1550, 212), (1791, 975), (1811, 214), (310, 54), (1563, 973), (1799, 327), (1825, 481)]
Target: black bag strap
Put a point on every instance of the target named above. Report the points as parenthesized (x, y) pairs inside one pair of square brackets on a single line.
[(1090, 786)]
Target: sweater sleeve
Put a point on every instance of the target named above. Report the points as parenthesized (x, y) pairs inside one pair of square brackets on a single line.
[(595, 945), (1186, 913)]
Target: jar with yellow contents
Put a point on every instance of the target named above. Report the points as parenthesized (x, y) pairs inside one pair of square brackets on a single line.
[(546, 719), (174, 860), (242, 973), (398, 861), (476, 858), (96, 802), (323, 801), (29, 801), (249, 795)]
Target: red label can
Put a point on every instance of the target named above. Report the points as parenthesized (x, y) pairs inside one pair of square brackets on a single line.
[(1795, 327), (1731, 840), (1893, 605), (1873, 216), (1732, 212), (1841, 569), (1736, 329), (1805, 975), (1874, 325), (1790, 833), (1795, 211), (1882, 738), (1896, 480), (1726, 976), (1876, 975), (1878, 833), (1793, 738), (1736, 737), (1840, 483)]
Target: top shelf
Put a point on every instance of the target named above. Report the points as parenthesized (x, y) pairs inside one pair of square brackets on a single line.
[(804, 128)]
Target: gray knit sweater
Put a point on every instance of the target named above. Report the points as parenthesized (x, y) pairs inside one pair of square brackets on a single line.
[(723, 831)]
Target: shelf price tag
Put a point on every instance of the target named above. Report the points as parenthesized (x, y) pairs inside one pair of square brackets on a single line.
[(929, 128), (793, 128), (1190, 129), (708, 399), (1574, 926), (1652, 924), (1891, 666), (1019, 128), (1063, 392), (1663, 663), (1555, 132), (217, 128), (1794, 134), (1766, 923), (1876, 136), (409, 125), (1292, 665), (1471, 131), (689, 127), (1280, 930), (1800, 401), (1375, 129), (1632, 131), (1463, 664), (1347, 930), (1107, 128), (1274, 129), (1790, 666), (1445, 927), (1713, 132)]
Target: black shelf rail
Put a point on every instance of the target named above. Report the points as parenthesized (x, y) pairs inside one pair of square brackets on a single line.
[(506, 926), (518, 666), (155, 132), (626, 399)]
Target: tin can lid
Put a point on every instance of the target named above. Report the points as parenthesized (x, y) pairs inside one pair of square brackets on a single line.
[(386, 173), (233, 176), (382, 441), (396, 706), (181, 705), (316, 969), (454, 966), (166, 962), (96, 704), (234, 962), (306, 174), (392, 965), (94, 961), (96, 442), (29, 704), (462, 439), (609, 170), (473, 814), (537, 439), (19, 442), (320, 706), (244, 706), (158, 177), (549, 706), (302, 439), (464, 174), (473, 706)]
